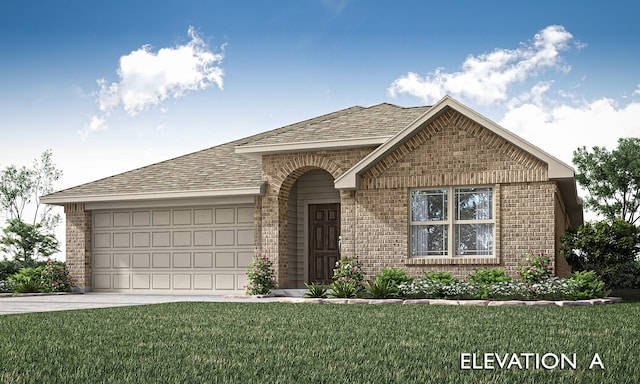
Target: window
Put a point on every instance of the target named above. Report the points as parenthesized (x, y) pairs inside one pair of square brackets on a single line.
[(452, 222)]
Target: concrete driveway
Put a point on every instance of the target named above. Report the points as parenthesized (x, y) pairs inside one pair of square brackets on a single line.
[(47, 303)]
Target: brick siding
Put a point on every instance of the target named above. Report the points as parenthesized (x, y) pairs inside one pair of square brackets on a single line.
[(450, 151), (78, 245)]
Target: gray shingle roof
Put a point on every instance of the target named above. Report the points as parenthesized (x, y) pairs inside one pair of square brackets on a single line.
[(352, 123), (220, 167)]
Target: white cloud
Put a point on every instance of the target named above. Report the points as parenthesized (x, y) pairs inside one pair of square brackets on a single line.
[(637, 91), (147, 78), (97, 123), (488, 78), (560, 128)]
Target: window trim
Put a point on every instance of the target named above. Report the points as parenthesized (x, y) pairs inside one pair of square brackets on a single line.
[(451, 225)]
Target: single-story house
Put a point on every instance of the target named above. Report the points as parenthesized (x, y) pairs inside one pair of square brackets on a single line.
[(423, 188)]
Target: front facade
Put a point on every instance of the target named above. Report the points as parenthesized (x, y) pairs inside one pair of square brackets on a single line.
[(425, 188)]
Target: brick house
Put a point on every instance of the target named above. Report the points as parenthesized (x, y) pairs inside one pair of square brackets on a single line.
[(424, 188)]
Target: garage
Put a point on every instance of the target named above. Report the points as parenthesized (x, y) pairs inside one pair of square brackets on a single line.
[(200, 249)]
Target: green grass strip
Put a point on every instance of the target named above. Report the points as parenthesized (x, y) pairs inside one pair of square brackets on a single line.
[(310, 343)]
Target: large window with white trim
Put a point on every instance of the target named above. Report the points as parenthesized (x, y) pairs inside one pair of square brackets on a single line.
[(452, 222)]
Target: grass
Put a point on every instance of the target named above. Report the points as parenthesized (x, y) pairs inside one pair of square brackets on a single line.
[(310, 343)]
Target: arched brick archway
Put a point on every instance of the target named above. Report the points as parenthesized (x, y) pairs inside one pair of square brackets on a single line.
[(275, 206)]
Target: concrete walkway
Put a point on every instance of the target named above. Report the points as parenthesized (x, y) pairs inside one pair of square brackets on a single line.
[(47, 303)]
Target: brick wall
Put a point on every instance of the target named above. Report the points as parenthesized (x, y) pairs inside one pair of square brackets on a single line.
[(78, 245), (451, 151), (280, 172)]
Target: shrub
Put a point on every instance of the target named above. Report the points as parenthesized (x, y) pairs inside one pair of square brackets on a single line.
[(349, 269), (382, 289), (485, 278), (393, 276), (261, 277), (509, 290), (553, 289), (488, 276), (461, 290), (622, 276), (344, 289), (420, 289), (9, 268), (588, 285), (7, 286), (54, 277), (316, 290), (534, 268), (27, 280), (440, 277), (605, 247)]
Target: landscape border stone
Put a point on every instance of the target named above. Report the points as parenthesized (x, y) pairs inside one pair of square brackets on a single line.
[(490, 303)]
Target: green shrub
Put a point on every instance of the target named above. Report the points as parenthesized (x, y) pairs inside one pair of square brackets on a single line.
[(395, 276), (9, 268), (382, 289), (488, 276), (28, 285), (344, 289), (440, 277), (485, 278), (622, 276), (588, 285), (606, 247), (316, 290), (261, 278)]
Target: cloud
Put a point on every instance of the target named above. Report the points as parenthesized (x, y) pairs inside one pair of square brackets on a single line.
[(97, 123), (560, 128), (488, 78), (147, 78)]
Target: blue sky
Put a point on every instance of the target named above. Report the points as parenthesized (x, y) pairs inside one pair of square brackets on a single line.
[(96, 81)]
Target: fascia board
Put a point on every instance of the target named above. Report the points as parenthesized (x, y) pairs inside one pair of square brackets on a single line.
[(266, 149), (86, 198)]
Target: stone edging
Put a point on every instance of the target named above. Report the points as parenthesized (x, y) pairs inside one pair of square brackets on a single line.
[(490, 303), (38, 294)]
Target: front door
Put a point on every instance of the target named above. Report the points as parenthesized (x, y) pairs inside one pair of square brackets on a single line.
[(324, 232)]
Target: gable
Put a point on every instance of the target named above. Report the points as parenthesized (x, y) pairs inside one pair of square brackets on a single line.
[(453, 149)]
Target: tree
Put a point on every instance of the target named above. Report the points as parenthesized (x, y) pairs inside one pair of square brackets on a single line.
[(26, 242), (608, 247), (612, 179), (19, 187)]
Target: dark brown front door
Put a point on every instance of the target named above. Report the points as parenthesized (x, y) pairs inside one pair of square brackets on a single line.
[(324, 231)]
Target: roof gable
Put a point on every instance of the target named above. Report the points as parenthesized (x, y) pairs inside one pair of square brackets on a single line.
[(382, 156)]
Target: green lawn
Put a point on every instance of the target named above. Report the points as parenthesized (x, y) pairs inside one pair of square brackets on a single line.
[(310, 343)]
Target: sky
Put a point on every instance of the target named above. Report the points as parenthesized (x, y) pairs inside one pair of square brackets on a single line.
[(110, 86)]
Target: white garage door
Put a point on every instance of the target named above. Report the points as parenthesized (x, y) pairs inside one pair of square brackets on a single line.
[(181, 250)]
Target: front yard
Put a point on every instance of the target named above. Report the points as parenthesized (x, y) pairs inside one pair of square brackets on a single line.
[(306, 343)]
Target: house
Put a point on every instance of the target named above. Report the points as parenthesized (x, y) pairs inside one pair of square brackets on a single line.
[(422, 188)]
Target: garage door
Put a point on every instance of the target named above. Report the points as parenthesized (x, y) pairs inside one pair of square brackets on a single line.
[(181, 250)]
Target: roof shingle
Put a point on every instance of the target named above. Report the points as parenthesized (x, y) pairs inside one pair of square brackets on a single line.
[(220, 168)]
